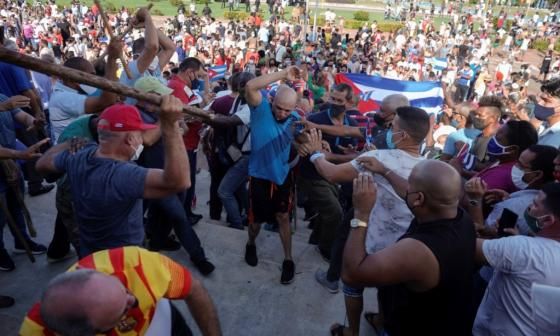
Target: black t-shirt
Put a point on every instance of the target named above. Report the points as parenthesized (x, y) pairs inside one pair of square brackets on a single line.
[(322, 118), (546, 63), (445, 309)]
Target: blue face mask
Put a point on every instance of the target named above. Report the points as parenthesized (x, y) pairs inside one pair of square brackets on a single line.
[(195, 84), (542, 113), (454, 123), (389, 139), (494, 148)]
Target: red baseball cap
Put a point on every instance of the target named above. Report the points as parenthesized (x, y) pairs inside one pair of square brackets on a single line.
[(122, 118)]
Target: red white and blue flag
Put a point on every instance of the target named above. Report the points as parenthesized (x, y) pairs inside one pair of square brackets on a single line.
[(372, 90), (217, 72)]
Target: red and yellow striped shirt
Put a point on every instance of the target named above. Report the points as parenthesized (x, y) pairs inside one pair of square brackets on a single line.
[(147, 275)]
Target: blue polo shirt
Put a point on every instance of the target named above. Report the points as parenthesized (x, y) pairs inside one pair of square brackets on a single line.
[(13, 80), (270, 144), (107, 196)]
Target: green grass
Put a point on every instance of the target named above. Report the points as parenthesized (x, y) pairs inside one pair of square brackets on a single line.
[(217, 11)]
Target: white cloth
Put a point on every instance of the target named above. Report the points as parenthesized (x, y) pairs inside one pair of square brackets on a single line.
[(390, 217), (161, 322), (546, 309), (518, 262), (65, 106)]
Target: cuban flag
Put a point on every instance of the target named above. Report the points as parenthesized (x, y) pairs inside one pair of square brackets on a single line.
[(217, 72), (438, 64), (372, 89)]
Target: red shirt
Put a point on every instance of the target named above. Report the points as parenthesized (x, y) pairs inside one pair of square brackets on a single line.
[(184, 93)]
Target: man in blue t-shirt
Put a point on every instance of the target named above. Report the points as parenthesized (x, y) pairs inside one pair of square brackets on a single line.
[(272, 133), (107, 188)]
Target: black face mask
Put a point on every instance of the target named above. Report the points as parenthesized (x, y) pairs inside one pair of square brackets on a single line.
[(379, 121), (336, 109)]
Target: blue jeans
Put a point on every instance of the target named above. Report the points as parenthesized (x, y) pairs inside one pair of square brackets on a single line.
[(191, 190), (9, 199), (234, 182), (168, 213)]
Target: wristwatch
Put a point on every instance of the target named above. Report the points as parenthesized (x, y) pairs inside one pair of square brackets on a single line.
[(356, 223)]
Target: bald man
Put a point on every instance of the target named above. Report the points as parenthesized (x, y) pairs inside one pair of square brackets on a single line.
[(271, 182), (71, 100), (424, 279), (131, 286)]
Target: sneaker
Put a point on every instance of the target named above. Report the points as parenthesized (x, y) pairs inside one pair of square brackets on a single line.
[(321, 277), (52, 260), (326, 256), (170, 244), (204, 266), (6, 263), (6, 301), (288, 268), (33, 246), (251, 255), (194, 218)]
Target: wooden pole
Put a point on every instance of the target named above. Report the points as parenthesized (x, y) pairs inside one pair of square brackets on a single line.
[(64, 73), (110, 33)]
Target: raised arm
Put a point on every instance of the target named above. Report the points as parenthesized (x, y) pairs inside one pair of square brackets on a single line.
[(167, 49), (106, 99), (255, 85), (151, 40), (175, 176), (337, 130)]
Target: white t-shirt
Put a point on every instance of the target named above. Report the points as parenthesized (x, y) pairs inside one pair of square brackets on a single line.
[(390, 217), (65, 106), (518, 262)]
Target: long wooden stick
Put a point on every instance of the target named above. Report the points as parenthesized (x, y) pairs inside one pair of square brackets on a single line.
[(110, 33), (64, 73)]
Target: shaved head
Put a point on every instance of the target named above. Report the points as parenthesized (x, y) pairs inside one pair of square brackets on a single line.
[(440, 183), (284, 102), (68, 306)]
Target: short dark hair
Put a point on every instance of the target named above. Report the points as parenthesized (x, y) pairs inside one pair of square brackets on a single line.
[(544, 160), (191, 63), (492, 101), (521, 134), (415, 121), (138, 45), (552, 192), (240, 79), (347, 89), (552, 87)]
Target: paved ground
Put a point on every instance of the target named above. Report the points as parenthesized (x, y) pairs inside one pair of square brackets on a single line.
[(250, 301)]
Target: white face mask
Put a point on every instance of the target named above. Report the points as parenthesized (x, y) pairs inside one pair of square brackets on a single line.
[(137, 152), (89, 90), (154, 65), (517, 178)]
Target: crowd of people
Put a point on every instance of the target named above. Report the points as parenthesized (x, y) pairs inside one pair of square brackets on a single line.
[(453, 216)]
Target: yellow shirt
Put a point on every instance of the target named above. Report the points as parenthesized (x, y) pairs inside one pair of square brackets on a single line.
[(147, 275)]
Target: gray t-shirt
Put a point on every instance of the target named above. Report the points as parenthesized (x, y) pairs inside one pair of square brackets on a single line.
[(518, 262), (107, 197)]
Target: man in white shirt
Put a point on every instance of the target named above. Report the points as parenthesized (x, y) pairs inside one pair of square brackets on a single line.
[(71, 100), (390, 217), (518, 262)]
